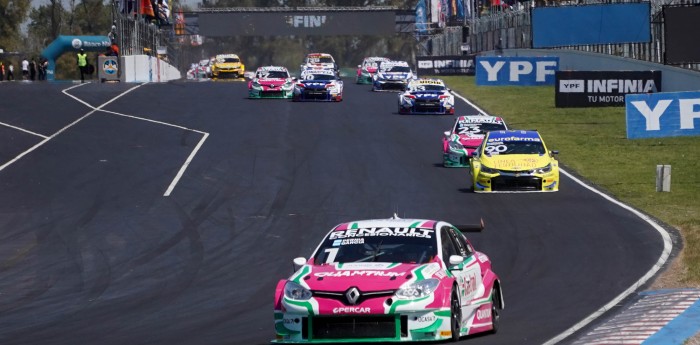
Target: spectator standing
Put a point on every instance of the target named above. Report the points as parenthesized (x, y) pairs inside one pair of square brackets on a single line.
[(10, 72), (2, 71), (32, 69), (25, 69), (82, 64)]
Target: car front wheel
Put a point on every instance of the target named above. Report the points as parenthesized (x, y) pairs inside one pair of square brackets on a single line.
[(456, 316)]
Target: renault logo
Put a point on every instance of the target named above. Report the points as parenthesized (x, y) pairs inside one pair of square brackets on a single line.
[(352, 295)]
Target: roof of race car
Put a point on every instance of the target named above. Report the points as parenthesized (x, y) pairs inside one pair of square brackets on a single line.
[(223, 56), (394, 63), (479, 119), (390, 222), (427, 81), (514, 135), (318, 71), (377, 58), (272, 68)]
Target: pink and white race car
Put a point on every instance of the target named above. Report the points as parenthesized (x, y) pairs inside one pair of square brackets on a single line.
[(466, 135), (389, 280), (271, 82)]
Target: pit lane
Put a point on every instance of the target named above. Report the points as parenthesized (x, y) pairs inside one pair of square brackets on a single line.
[(93, 252)]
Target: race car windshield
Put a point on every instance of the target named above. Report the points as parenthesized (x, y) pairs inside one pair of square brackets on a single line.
[(515, 148), (274, 74), (477, 128), (429, 88), (394, 69), (320, 77), (394, 249), (321, 60), (229, 60)]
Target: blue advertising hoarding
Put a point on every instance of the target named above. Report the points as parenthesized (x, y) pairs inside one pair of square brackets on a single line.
[(513, 70), (590, 24), (664, 114)]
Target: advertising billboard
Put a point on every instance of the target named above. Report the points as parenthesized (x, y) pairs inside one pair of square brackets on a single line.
[(445, 65), (681, 25), (590, 24), (602, 88), (665, 114), (510, 70)]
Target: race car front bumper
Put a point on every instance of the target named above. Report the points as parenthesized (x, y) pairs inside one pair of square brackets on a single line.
[(509, 181), (389, 85), (420, 325)]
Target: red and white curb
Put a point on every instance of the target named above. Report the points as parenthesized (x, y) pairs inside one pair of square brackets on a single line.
[(644, 318)]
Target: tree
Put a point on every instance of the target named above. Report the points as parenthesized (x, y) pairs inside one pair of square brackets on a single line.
[(12, 14), (45, 23)]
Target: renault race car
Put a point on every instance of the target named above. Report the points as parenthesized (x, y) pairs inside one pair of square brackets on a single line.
[(392, 76), (366, 70), (271, 82), (318, 61), (466, 135), (318, 85), (227, 66), (389, 280), (514, 160), (426, 96)]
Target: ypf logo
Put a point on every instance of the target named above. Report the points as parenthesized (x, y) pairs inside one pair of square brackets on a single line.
[(76, 43)]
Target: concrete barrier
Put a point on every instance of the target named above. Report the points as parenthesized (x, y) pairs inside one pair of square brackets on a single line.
[(146, 68)]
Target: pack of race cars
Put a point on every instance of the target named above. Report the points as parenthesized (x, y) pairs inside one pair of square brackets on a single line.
[(398, 280)]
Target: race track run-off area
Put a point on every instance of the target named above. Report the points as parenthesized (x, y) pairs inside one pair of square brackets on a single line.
[(166, 213)]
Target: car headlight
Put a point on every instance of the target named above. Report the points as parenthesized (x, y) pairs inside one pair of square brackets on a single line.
[(296, 292), (488, 170), (543, 170), (417, 289), (455, 146)]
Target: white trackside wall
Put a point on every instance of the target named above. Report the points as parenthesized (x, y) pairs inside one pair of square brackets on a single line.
[(146, 68)]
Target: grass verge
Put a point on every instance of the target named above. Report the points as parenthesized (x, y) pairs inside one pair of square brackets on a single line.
[(593, 143)]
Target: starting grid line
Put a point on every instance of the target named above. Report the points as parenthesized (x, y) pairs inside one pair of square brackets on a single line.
[(639, 322), (180, 172)]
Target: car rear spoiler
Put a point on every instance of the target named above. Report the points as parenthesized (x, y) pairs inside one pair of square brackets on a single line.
[(471, 227)]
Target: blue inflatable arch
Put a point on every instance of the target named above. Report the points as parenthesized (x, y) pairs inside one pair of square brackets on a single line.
[(64, 44)]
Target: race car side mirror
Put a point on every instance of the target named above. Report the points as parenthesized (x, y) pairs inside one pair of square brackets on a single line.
[(456, 260), (298, 262), (553, 152), (475, 153), (359, 66), (447, 133)]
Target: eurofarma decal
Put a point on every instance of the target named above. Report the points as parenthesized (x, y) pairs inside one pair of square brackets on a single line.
[(665, 114)]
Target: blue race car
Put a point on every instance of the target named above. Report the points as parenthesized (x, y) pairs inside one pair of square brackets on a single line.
[(318, 85)]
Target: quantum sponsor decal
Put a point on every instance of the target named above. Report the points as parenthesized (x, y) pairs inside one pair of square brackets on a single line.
[(483, 314), (665, 114), (368, 232), (348, 241), (520, 71), (351, 310), (602, 88), (340, 274)]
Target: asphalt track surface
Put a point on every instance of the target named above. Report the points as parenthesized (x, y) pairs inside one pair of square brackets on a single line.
[(102, 243)]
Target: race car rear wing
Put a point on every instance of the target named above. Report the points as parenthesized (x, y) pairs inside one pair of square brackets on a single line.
[(471, 227)]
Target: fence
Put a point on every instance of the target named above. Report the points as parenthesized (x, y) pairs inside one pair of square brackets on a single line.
[(511, 28), (135, 36)]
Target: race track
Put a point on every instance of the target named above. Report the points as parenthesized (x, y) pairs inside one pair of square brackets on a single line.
[(168, 214)]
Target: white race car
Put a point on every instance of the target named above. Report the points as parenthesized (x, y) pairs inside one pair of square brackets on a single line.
[(427, 96), (392, 76)]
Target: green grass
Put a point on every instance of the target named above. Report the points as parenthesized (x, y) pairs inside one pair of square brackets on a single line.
[(592, 143)]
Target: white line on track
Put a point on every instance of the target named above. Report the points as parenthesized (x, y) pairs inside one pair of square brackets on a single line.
[(665, 253), (23, 130), (99, 108)]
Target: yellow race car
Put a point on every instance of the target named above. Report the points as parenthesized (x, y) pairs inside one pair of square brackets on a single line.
[(514, 160), (227, 66)]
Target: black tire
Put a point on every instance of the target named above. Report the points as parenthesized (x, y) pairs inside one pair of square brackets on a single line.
[(495, 311), (455, 316)]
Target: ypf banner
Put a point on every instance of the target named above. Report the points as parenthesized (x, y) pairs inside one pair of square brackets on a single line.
[(665, 114), (602, 88), (510, 70)]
